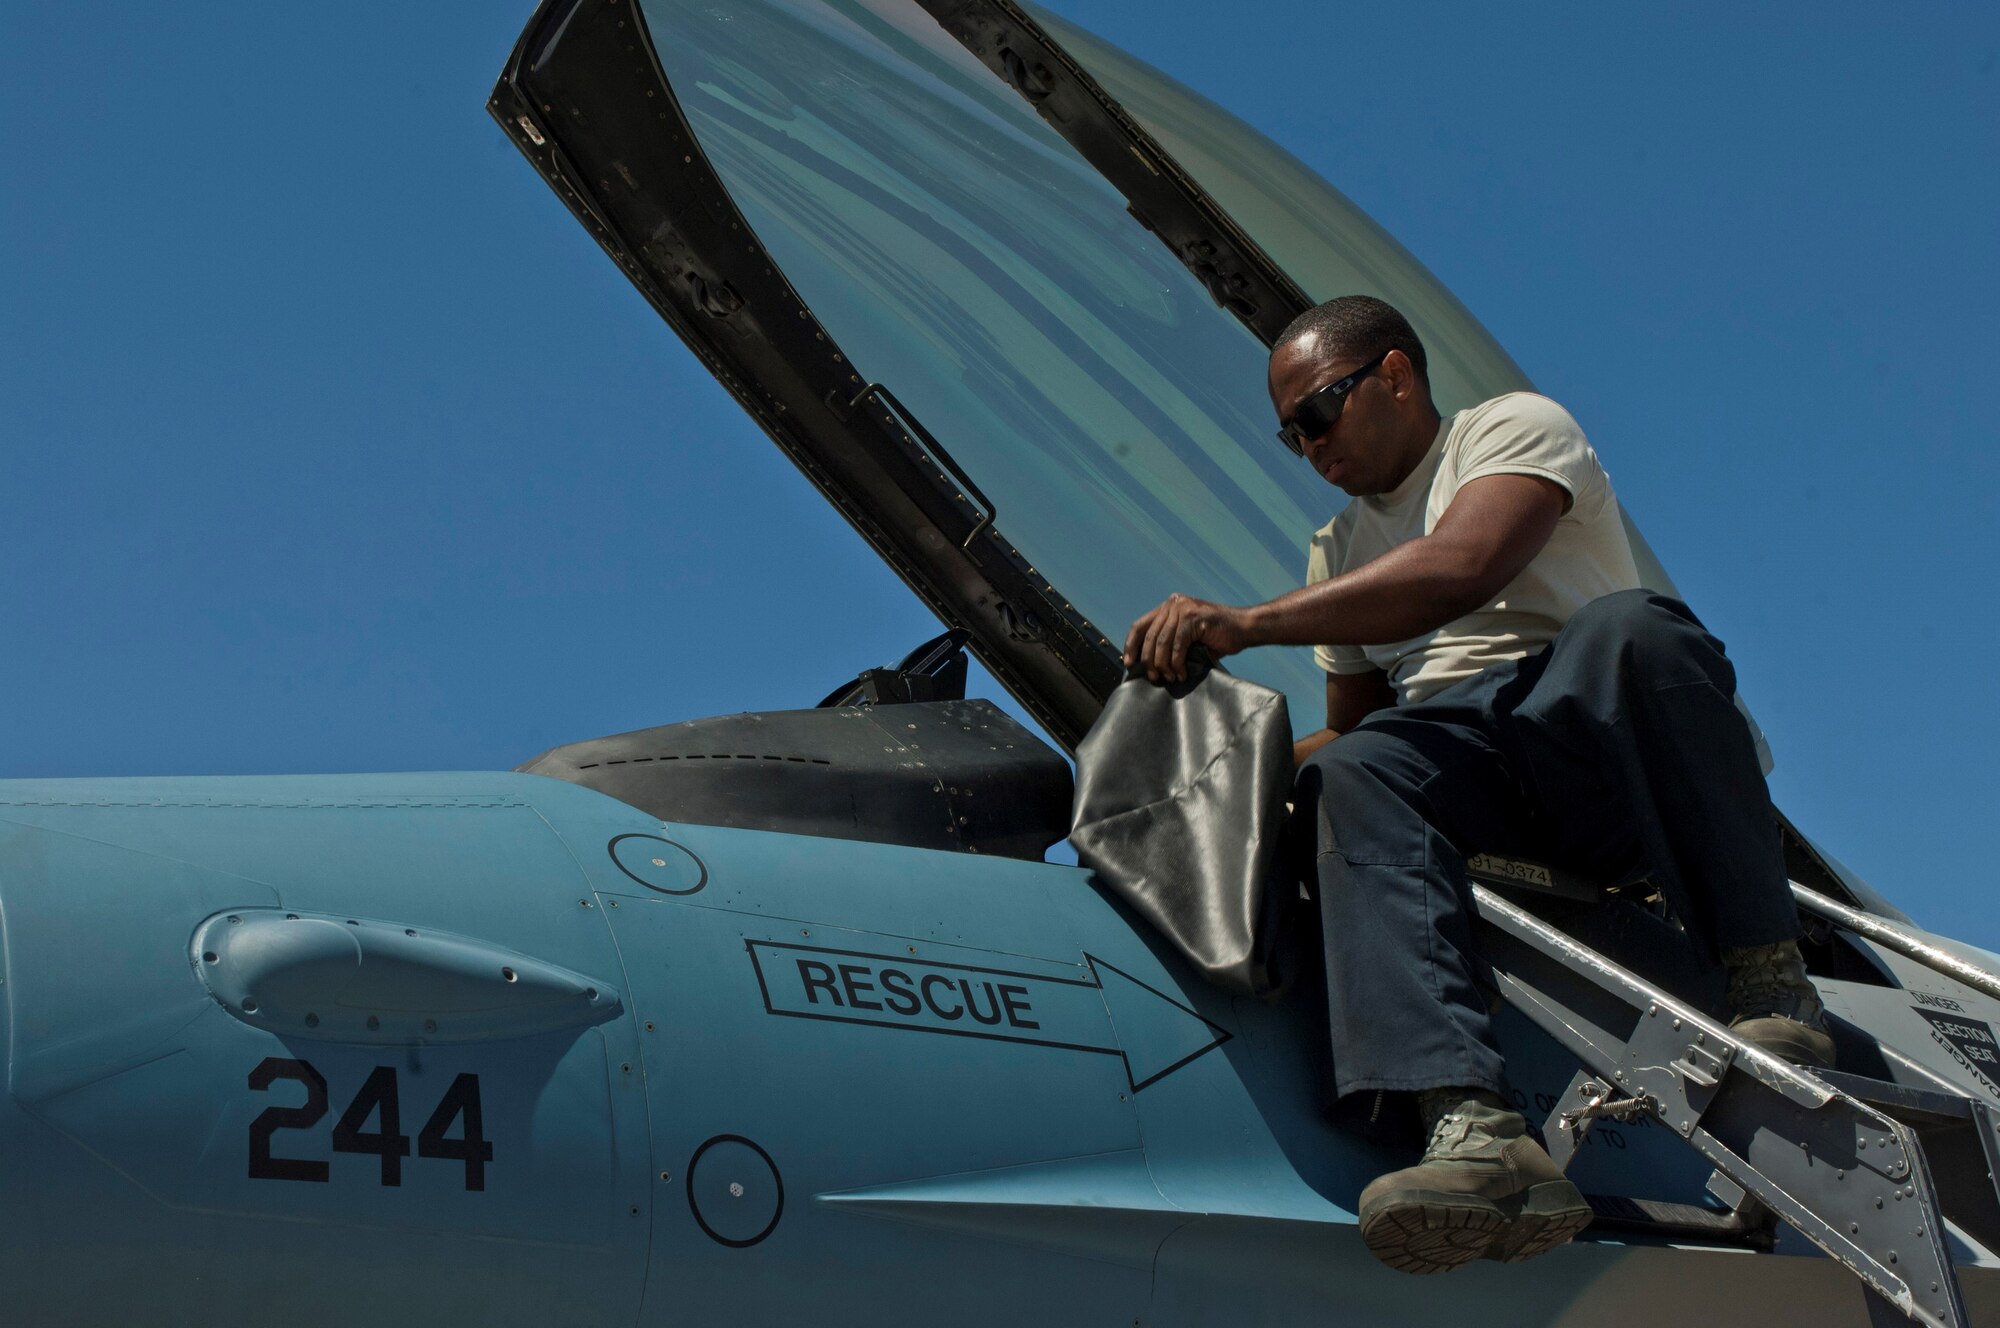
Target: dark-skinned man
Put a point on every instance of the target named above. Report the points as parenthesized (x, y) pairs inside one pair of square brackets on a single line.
[(1496, 682)]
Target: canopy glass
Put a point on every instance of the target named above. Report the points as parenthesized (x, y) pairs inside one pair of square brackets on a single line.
[(1310, 229), (961, 252)]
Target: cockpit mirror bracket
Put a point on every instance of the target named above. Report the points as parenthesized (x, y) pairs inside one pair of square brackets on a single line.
[(1031, 81), (930, 444), (720, 299)]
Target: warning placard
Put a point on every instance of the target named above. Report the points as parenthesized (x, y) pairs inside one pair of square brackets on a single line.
[(1970, 1042)]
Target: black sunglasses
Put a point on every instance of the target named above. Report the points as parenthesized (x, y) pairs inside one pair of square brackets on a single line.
[(1321, 410)]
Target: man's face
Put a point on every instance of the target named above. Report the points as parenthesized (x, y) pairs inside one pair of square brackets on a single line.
[(1365, 451)]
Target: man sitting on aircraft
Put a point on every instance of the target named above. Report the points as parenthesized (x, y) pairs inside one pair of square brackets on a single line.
[(1496, 682)]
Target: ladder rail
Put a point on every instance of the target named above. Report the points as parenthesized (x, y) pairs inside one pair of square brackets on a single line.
[(1890, 936), (1850, 1179)]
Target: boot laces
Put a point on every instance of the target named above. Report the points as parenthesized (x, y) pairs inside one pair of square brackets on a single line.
[(1451, 1130), (1761, 987), (1771, 981)]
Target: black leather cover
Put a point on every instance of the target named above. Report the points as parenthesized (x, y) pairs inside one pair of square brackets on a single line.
[(1180, 809)]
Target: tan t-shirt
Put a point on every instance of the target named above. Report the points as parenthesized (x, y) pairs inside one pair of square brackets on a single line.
[(1588, 554)]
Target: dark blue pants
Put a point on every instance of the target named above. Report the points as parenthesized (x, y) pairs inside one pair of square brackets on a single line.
[(1615, 750)]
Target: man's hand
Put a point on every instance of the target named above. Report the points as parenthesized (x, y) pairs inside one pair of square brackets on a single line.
[(1350, 698), (1309, 744), (1160, 640)]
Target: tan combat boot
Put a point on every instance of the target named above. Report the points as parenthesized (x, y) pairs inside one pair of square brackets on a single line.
[(1773, 1005), (1484, 1189)]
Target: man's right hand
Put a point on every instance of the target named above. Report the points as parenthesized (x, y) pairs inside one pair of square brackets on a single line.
[(1309, 744), (1350, 698), (1159, 641)]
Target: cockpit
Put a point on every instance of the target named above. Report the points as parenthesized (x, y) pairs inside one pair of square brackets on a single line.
[(1068, 387), (1004, 294)]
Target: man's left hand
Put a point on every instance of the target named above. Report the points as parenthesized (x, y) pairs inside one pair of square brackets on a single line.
[(1159, 641)]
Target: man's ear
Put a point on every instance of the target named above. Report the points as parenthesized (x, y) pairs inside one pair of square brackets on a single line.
[(1401, 374)]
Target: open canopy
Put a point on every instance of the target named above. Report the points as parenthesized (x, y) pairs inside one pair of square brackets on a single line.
[(1003, 292)]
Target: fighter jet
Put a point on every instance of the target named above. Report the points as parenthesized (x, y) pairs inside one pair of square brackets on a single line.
[(784, 1018)]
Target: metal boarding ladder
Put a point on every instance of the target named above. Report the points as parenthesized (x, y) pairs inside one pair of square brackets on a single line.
[(1840, 1158)]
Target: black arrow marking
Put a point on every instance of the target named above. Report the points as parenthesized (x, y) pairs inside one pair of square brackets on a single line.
[(999, 1005)]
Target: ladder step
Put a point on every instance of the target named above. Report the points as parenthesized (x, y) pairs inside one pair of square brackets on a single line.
[(1916, 1106), (1674, 1221)]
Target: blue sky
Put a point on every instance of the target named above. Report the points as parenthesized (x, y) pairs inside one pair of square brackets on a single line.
[(332, 443)]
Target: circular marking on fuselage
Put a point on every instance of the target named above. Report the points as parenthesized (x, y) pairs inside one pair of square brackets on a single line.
[(734, 1191), (659, 864)]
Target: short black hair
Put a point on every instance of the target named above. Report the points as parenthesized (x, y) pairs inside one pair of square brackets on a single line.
[(1357, 326)]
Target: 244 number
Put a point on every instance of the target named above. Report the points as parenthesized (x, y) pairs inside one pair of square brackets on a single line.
[(377, 1100)]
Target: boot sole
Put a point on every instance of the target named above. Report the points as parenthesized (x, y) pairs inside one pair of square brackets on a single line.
[(1424, 1231), (1552, 1213)]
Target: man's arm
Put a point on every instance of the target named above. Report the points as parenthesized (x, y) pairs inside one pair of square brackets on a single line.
[(1350, 698), (1494, 527)]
